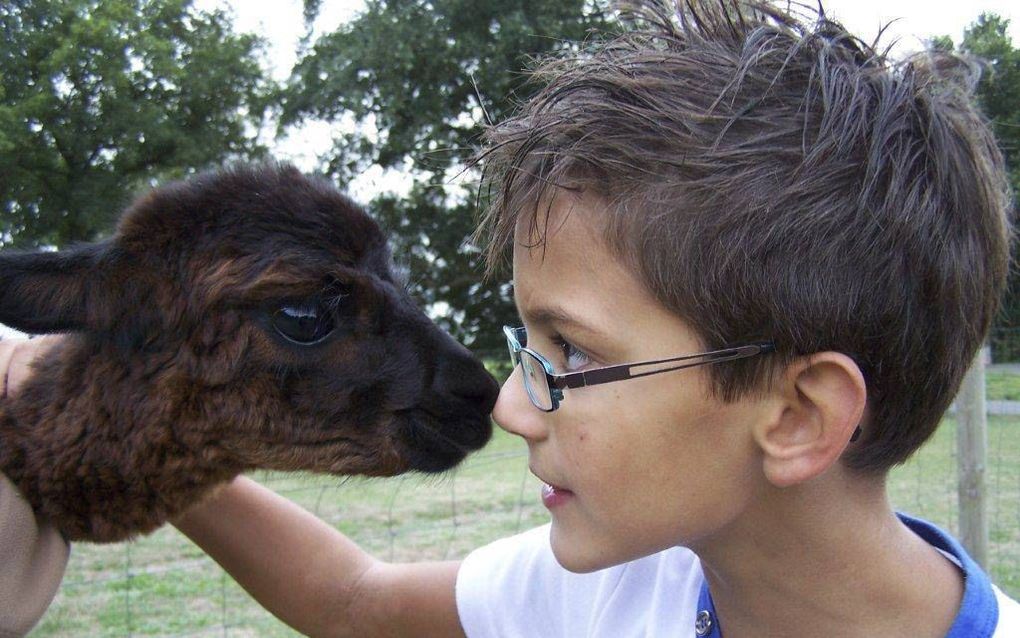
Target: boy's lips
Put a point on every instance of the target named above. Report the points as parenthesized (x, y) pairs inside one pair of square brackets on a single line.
[(553, 495)]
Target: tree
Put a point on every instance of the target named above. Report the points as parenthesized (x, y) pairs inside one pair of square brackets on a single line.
[(999, 89), (99, 96), (420, 77), (998, 94)]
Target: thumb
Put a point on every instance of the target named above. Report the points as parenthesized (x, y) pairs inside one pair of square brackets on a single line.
[(16, 357)]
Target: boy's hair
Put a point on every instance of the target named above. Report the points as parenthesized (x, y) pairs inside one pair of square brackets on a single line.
[(770, 176)]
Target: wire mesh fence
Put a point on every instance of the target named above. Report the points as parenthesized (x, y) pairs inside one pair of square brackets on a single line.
[(162, 585)]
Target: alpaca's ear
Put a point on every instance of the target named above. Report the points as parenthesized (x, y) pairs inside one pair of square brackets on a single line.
[(50, 292)]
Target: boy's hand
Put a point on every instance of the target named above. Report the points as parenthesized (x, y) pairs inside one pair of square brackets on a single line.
[(16, 356)]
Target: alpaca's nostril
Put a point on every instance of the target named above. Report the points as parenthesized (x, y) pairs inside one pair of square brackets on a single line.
[(481, 389)]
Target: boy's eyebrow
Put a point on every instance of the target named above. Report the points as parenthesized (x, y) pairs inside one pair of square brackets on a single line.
[(546, 315)]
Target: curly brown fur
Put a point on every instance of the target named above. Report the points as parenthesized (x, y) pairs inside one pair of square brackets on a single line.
[(178, 374)]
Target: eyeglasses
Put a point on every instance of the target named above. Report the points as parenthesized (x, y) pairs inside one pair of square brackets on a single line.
[(545, 387)]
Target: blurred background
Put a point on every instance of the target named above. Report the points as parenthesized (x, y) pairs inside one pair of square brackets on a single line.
[(100, 100)]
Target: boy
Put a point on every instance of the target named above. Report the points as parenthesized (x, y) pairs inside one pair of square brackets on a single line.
[(753, 263)]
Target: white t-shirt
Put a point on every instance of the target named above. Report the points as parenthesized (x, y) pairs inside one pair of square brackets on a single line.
[(514, 588)]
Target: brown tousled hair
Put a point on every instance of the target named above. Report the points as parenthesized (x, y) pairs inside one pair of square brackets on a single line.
[(770, 176)]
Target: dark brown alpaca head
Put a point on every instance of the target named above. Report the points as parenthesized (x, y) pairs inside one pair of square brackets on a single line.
[(255, 313)]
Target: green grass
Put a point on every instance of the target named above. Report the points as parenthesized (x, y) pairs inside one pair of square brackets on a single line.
[(926, 486), (1003, 386), (163, 585)]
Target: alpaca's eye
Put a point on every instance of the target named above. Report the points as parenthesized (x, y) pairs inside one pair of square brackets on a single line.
[(303, 323)]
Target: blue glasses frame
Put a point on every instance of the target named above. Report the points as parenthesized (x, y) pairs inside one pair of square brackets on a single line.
[(545, 387)]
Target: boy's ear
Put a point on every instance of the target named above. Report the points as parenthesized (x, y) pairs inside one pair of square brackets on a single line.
[(53, 291), (823, 400)]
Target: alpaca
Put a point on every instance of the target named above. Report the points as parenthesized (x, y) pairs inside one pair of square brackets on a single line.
[(246, 318)]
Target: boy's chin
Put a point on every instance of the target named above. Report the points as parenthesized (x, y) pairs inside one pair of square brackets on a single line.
[(578, 553)]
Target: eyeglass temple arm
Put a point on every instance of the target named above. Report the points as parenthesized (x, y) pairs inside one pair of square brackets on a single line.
[(623, 371)]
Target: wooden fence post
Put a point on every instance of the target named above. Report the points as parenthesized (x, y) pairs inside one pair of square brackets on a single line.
[(971, 459)]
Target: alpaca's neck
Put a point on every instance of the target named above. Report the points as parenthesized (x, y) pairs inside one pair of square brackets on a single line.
[(104, 455)]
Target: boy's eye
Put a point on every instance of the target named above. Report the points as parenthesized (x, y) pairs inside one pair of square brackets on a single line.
[(574, 358)]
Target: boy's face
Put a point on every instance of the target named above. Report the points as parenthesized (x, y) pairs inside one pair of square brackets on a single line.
[(641, 464)]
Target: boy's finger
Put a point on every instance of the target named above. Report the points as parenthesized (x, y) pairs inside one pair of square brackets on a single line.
[(7, 347)]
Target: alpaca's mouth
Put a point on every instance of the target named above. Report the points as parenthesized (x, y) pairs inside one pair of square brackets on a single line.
[(405, 440), (433, 445), (338, 440)]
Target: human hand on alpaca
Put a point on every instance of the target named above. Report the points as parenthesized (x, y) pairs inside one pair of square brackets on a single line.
[(242, 319), (16, 356)]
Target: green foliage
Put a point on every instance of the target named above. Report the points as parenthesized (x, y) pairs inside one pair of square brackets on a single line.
[(420, 78), (97, 97), (999, 89)]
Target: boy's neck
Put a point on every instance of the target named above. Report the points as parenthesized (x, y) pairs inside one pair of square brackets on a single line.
[(815, 560)]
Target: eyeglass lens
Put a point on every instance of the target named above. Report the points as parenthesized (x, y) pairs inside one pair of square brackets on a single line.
[(535, 381)]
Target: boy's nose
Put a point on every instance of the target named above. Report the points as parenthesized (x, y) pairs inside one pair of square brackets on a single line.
[(514, 411)]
